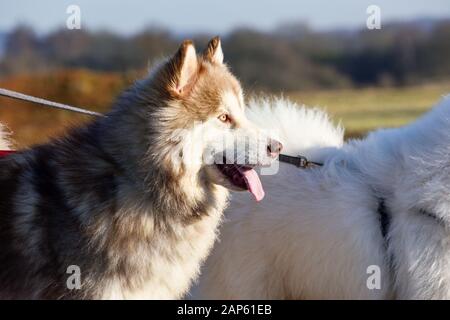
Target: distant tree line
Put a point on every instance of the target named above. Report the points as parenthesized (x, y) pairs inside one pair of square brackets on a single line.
[(292, 57)]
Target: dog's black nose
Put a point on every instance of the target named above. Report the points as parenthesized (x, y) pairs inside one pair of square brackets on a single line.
[(274, 148)]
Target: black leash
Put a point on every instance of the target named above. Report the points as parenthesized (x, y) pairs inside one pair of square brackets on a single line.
[(299, 161)]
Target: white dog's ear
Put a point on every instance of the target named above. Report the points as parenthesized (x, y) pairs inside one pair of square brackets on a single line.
[(213, 52), (183, 69)]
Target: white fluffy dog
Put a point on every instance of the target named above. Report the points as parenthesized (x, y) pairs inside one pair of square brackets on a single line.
[(371, 223)]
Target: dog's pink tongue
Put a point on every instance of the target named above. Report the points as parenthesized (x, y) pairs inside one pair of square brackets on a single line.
[(253, 183)]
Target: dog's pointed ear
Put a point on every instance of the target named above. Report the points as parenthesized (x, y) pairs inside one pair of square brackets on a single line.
[(184, 68), (213, 52)]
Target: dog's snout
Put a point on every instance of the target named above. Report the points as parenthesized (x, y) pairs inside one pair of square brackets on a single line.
[(274, 148)]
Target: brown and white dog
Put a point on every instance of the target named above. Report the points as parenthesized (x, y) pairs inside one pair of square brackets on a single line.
[(129, 204)]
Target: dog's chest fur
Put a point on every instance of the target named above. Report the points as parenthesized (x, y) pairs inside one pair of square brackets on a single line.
[(164, 268)]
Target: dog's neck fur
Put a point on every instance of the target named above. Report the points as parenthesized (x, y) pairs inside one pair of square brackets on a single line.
[(148, 163)]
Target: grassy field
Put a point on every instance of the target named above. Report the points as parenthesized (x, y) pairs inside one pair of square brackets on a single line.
[(367, 109), (359, 110)]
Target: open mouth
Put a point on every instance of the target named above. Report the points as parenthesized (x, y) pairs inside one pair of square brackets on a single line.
[(243, 177)]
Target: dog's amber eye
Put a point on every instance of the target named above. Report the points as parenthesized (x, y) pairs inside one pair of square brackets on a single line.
[(224, 117)]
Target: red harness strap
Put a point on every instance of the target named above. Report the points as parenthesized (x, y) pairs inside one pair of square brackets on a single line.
[(4, 153)]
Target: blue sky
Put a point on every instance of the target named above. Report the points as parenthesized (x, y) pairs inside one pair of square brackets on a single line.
[(211, 16)]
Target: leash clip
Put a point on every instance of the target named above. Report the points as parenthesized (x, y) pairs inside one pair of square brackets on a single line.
[(298, 161), (302, 162)]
